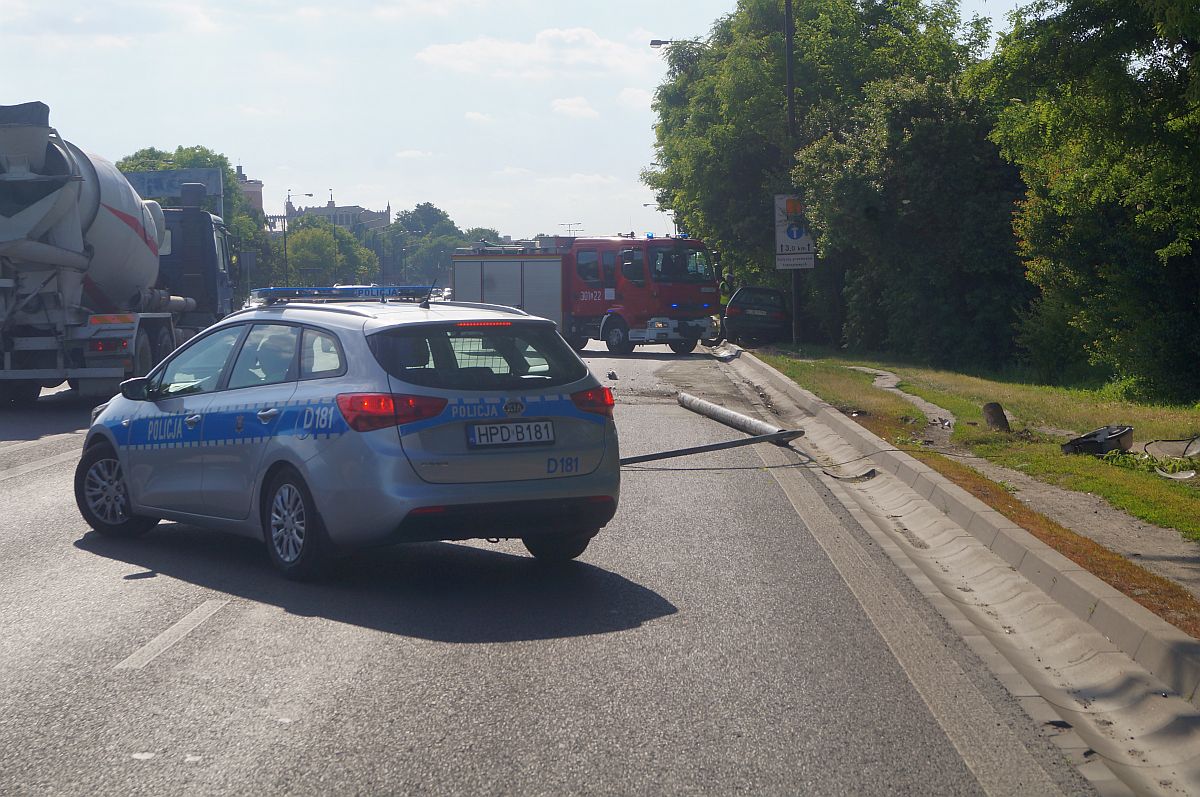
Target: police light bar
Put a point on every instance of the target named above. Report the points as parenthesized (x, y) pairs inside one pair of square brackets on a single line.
[(342, 293)]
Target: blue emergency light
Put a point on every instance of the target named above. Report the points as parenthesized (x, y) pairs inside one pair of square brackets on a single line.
[(344, 293)]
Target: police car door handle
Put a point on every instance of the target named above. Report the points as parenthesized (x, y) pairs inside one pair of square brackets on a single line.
[(268, 415), (191, 421)]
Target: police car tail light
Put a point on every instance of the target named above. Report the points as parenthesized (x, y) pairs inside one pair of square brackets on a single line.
[(598, 400), (365, 412)]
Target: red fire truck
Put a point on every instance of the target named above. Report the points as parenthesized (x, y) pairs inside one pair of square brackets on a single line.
[(623, 291)]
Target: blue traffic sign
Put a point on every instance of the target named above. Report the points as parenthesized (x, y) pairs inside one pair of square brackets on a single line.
[(795, 231)]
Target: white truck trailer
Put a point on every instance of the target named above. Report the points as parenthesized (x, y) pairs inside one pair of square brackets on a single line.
[(96, 285)]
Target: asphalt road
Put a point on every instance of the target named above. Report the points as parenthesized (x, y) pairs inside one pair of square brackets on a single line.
[(705, 643)]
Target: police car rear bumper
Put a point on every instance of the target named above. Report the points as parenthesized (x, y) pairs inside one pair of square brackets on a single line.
[(505, 519), (379, 500)]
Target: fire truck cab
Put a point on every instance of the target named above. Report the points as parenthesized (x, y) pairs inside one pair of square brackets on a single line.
[(624, 291)]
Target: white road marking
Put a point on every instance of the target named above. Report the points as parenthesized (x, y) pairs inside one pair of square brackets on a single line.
[(30, 467), (163, 642)]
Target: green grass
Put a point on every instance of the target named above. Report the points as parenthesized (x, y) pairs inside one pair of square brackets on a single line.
[(1144, 495)]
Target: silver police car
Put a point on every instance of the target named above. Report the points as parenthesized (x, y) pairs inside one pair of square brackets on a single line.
[(317, 426)]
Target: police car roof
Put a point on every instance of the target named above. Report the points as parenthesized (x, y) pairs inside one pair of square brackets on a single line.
[(371, 316)]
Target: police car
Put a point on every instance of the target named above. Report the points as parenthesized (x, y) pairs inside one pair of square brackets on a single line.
[(316, 424)]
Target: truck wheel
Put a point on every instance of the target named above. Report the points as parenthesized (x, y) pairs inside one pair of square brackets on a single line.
[(143, 354), (164, 344), (102, 496), (579, 343), (616, 337), (558, 547), (22, 394), (292, 528), (683, 346)]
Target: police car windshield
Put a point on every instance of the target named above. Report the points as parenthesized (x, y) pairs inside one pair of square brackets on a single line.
[(478, 355), (680, 264)]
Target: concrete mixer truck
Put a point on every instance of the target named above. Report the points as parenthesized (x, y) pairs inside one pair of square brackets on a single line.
[(96, 284)]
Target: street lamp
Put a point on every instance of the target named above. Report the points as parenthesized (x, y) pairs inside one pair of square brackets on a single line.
[(287, 222)]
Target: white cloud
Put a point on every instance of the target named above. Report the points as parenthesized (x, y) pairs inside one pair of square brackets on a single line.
[(552, 53), (194, 18), (575, 108), (478, 118), (637, 99), (413, 154)]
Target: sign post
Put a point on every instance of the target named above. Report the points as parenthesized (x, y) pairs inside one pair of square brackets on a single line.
[(794, 248)]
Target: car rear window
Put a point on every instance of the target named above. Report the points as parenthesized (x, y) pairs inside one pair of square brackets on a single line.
[(764, 298), (468, 357)]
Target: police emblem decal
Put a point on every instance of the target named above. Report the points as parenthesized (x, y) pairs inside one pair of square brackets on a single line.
[(514, 407)]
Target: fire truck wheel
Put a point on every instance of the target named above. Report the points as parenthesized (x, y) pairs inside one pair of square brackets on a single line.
[(683, 346), (616, 337), (578, 344), (143, 354), (164, 344)]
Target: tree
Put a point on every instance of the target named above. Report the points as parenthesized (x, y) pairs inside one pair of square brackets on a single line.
[(722, 141), (246, 223), (477, 234), (1098, 103), (320, 253), (915, 202)]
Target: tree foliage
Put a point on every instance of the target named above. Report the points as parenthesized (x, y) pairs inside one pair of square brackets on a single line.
[(416, 248), (1098, 103), (320, 253), (1078, 255), (245, 222), (914, 205)]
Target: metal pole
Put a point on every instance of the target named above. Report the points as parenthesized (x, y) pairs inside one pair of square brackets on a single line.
[(285, 259), (788, 36)]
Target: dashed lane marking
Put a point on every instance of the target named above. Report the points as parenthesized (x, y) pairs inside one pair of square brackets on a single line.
[(163, 642)]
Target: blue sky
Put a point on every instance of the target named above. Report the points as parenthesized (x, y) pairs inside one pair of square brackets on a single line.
[(523, 115)]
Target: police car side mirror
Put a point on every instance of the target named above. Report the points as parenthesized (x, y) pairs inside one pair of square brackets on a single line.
[(135, 389)]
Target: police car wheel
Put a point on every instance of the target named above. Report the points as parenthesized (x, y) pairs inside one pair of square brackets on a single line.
[(558, 547), (292, 527), (102, 496)]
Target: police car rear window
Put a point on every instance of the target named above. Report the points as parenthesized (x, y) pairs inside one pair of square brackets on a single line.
[(467, 357)]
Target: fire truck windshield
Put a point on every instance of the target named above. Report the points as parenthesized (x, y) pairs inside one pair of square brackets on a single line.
[(680, 264)]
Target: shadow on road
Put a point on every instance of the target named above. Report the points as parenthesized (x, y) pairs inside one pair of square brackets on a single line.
[(53, 413), (438, 591)]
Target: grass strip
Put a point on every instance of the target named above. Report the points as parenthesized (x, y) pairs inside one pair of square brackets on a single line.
[(892, 418)]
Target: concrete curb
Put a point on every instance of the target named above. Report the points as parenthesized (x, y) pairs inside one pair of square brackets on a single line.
[(1164, 650)]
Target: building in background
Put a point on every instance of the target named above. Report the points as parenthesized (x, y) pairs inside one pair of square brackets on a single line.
[(252, 190), (354, 218)]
